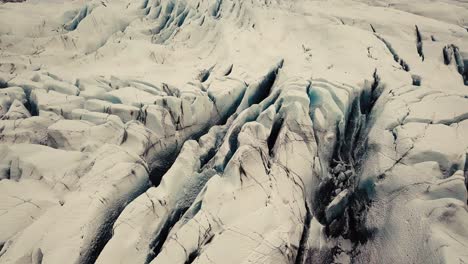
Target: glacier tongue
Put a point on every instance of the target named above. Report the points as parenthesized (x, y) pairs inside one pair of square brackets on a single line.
[(186, 131)]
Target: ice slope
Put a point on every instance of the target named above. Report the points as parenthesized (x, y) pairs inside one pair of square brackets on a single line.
[(228, 131)]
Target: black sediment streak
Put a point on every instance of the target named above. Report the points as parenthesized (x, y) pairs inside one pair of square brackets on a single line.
[(465, 173), (301, 252)]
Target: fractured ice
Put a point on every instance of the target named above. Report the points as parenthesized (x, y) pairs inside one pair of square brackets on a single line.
[(233, 131)]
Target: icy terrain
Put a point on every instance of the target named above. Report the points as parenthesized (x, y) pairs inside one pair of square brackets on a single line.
[(233, 131)]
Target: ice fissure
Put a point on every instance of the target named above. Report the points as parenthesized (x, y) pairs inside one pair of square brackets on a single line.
[(453, 52), (339, 203), (419, 43), (404, 65)]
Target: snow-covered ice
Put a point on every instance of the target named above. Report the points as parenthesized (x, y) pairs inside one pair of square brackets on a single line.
[(233, 131)]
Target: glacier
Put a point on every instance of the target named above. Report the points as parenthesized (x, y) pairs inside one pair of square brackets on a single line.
[(233, 131)]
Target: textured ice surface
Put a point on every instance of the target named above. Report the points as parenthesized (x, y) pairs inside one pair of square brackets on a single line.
[(233, 131)]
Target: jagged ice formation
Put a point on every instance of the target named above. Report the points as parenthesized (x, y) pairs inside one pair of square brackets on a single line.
[(233, 131)]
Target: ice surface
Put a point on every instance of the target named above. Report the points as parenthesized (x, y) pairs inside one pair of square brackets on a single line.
[(186, 131)]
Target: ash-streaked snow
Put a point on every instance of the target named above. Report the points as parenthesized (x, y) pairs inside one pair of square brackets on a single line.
[(233, 131)]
